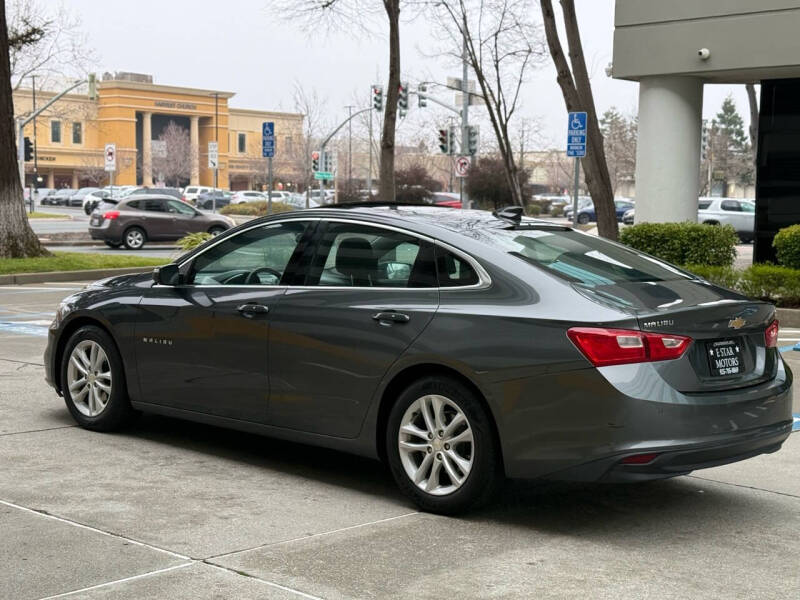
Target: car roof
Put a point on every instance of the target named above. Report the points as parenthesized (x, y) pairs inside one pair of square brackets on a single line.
[(154, 196)]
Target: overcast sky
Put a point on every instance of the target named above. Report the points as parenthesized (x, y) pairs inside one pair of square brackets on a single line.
[(242, 46)]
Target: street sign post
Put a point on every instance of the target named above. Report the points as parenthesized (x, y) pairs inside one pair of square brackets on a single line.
[(462, 165), (110, 155), (576, 148), (268, 151)]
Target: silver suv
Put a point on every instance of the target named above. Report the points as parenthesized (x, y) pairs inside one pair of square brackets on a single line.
[(729, 211)]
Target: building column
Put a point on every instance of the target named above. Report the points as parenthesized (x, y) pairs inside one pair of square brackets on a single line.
[(74, 180), (147, 149), (194, 138), (668, 149), (51, 180)]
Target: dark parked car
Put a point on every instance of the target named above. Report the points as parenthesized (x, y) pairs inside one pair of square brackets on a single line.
[(76, 199), (586, 213), (165, 191), (215, 199), (458, 346), (139, 218), (61, 197)]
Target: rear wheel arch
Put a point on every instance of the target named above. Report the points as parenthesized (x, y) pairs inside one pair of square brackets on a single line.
[(401, 380), (66, 334)]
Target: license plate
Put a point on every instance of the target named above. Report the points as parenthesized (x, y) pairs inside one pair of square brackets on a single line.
[(725, 357)]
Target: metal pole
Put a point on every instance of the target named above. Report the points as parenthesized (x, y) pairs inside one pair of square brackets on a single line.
[(369, 173), (464, 111), (350, 146), (575, 193), (35, 149), (322, 166), (21, 150), (216, 139), (269, 185)]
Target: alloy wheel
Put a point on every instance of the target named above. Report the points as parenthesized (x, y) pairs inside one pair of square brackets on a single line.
[(134, 238), (436, 445), (89, 378)]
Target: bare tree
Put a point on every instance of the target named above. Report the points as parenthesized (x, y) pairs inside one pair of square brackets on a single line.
[(619, 143), (308, 103), (57, 46), (573, 78), (501, 44), (93, 169), (17, 239), (361, 15), (176, 165)]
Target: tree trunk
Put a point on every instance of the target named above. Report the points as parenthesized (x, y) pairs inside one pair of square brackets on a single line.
[(751, 99), (386, 184), (577, 91), (17, 239)]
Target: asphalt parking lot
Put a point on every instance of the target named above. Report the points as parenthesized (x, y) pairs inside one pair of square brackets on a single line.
[(178, 510)]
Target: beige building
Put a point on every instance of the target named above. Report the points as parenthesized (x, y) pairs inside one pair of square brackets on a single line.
[(133, 112)]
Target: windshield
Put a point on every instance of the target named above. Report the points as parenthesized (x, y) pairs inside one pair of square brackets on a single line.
[(581, 258)]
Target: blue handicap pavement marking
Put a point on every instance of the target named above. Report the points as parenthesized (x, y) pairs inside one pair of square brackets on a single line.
[(23, 329), (796, 422)]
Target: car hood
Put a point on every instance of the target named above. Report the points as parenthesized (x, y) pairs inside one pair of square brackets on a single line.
[(130, 280)]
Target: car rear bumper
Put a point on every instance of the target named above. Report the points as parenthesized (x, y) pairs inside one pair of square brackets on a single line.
[(587, 426)]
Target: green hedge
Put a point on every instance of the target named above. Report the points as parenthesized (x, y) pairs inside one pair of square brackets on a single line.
[(193, 240), (684, 243), (773, 283), (255, 209), (787, 246)]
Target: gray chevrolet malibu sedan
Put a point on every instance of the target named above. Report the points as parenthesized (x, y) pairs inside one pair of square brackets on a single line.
[(459, 347)]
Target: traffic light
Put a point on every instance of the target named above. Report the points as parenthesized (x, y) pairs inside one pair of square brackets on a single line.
[(315, 161), (402, 99), (421, 97), (473, 133), (444, 143), (329, 161), (92, 86), (28, 149), (452, 139), (377, 97)]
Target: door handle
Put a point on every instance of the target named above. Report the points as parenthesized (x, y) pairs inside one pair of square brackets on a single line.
[(394, 317), (253, 309)]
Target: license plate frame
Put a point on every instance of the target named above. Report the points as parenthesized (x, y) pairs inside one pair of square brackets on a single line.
[(725, 357)]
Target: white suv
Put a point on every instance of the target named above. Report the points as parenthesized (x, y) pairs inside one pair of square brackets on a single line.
[(729, 211), (192, 191), (247, 196)]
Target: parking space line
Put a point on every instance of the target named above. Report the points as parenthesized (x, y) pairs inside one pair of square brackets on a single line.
[(315, 535), (125, 579), (747, 487), (48, 515), (37, 430), (264, 581)]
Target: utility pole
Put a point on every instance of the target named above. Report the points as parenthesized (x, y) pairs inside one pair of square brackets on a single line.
[(349, 146), (369, 173), (464, 111)]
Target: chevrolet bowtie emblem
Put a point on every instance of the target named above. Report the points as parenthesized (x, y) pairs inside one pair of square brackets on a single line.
[(737, 323)]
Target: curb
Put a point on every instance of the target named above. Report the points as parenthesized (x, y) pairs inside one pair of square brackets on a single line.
[(788, 317), (91, 275)]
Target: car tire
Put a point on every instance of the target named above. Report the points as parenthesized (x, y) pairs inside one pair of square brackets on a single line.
[(134, 238), (215, 231), (583, 219), (91, 404), (477, 461)]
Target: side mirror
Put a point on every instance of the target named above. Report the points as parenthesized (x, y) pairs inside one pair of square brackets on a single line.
[(167, 275)]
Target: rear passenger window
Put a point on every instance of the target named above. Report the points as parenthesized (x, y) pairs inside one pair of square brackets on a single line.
[(703, 204), (153, 205), (136, 204), (454, 271), (731, 205)]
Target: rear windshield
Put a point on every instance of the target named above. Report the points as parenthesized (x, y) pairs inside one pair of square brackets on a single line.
[(703, 204), (582, 258)]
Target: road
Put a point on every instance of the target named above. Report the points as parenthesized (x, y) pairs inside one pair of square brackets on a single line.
[(179, 510)]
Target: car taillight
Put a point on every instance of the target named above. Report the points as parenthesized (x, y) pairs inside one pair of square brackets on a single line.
[(111, 214), (771, 335), (604, 347)]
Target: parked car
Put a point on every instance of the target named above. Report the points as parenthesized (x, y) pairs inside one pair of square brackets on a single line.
[(586, 212), (48, 198), (76, 199), (215, 199), (554, 199), (42, 193), (627, 218), (327, 196), (191, 192), (729, 211), (139, 218), (243, 197), (92, 199), (458, 346), (299, 201), (61, 197), (446, 199), (583, 202)]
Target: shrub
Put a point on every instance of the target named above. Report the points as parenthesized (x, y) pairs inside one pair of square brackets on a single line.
[(533, 210), (684, 243), (255, 209), (724, 276), (556, 210), (193, 240), (776, 284), (787, 246), (541, 206)]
